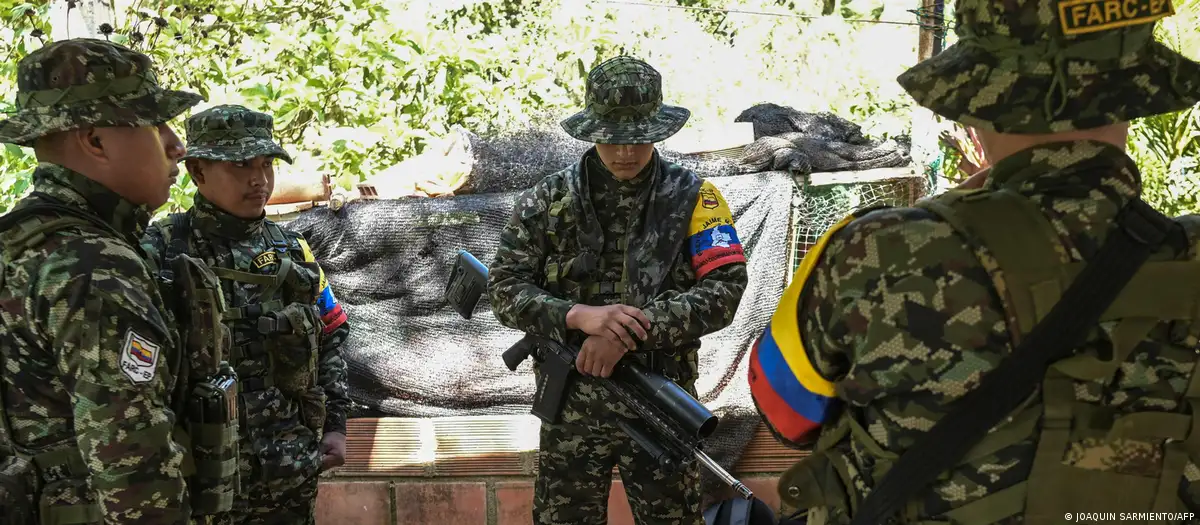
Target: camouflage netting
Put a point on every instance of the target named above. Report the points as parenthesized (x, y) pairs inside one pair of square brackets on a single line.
[(410, 355)]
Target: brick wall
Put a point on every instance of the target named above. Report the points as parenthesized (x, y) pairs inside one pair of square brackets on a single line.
[(403, 472), (495, 501)]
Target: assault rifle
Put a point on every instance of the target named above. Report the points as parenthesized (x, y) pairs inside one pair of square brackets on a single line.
[(673, 424)]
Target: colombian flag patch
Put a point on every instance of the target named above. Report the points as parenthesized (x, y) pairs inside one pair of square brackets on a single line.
[(793, 397), (332, 315), (712, 239)]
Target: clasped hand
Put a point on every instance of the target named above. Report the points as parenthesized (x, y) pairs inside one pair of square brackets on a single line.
[(609, 330)]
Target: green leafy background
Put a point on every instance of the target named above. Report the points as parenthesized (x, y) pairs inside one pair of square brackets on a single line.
[(357, 86)]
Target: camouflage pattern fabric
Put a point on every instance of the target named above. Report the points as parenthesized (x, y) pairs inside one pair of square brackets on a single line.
[(83, 82), (1041, 66), (900, 318), (89, 351), (624, 105), (280, 456), (621, 261), (232, 133)]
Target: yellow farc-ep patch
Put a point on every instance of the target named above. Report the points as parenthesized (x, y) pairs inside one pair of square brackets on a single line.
[(1079, 17)]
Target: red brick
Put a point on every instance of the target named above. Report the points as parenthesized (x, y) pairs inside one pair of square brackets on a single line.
[(440, 502), (352, 503), (514, 503)]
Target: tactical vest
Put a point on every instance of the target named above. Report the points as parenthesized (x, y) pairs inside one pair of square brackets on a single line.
[(23, 472), (285, 324), (574, 276), (1013, 232)]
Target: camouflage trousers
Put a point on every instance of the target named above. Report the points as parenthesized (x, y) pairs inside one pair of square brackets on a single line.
[(575, 462), (279, 472)]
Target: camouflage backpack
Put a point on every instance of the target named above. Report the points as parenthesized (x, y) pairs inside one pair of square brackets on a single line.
[(1031, 394), (20, 477)]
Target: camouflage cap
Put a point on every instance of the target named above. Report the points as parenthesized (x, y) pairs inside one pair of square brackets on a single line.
[(1047, 66), (232, 133), (623, 105), (82, 82)]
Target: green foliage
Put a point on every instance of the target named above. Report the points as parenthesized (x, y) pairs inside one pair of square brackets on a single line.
[(358, 85)]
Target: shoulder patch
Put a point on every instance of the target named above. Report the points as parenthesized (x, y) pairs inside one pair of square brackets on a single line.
[(1078, 17), (712, 238), (265, 258), (139, 358)]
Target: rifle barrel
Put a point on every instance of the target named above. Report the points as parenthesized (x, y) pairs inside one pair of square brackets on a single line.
[(725, 476)]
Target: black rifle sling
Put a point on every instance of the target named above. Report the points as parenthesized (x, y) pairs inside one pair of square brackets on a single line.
[(1139, 231), (51, 204)]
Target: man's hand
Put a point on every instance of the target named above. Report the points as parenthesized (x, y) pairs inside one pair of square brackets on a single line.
[(598, 356), (974, 181), (614, 322), (333, 450)]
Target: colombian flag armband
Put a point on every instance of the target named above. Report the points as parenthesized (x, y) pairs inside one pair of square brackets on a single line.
[(712, 240), (332, 315), (793, 396)]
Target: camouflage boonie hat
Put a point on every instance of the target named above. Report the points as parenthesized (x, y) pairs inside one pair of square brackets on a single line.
[(624, 105), (232, 133), (82, 82), (1047, 66)]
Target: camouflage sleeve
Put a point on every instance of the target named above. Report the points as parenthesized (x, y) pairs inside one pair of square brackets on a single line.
[(791, 392), (678, 318), (513, 291), (884, 293), (331, 368), (114, 351), (719, 266)]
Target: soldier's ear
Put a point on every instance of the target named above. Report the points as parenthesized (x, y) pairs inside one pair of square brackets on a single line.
[(195, 170), (88, 140)]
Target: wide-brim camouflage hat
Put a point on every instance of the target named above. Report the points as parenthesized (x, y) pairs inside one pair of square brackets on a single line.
[(624, 105), (1045, 66), (232, 133), (84, 82)]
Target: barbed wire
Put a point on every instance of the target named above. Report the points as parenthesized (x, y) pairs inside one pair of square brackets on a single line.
[(936, 22)]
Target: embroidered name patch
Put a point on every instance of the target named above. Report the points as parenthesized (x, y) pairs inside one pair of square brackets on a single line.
[(265, 258), (139, 358), (1088, 16)]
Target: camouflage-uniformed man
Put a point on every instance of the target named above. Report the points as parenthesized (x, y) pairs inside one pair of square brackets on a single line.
[(88, 353), (287, 326), (621, 243), (896, 315)]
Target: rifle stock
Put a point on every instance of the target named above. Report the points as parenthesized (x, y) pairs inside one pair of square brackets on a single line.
[(671, 424)]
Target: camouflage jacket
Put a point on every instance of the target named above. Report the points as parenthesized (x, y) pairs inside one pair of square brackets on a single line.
[(900, 317), (91, 358), (685, 267), (225, 241)]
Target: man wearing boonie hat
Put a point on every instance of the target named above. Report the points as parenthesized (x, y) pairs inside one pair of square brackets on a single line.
[(621, 253), (287, 326), (89, 352), (908, 333)]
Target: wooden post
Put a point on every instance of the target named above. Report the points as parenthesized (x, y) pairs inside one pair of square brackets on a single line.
[(925, 38), (925, 147)]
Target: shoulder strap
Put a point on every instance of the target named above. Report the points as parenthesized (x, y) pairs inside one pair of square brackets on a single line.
[(179, 231), (51, 204), (1139, 231)]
